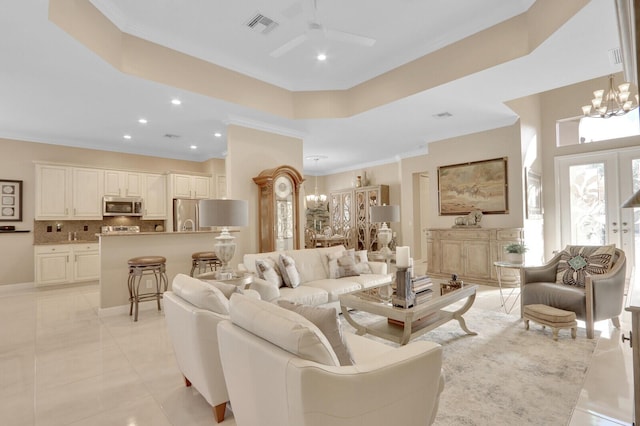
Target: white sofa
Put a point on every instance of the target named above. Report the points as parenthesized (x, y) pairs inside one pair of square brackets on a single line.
[(193, 310), (280, 370), (316, 288)]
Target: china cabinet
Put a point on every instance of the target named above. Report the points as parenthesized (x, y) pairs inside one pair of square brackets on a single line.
[(278, 207), (349, 209)]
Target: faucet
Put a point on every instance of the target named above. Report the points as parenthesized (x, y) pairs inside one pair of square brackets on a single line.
[(184, 225)]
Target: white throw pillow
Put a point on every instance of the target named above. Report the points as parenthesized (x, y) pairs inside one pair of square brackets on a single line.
[(200, 294), (285, 329), (290, 274), (269, 271), (326, 319)]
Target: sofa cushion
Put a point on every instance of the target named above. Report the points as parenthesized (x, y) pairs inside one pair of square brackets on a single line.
[(578, 261), (269, 271), (370, 280), (286, 329), (335, 287), (200, 294), (326, 319), (304, 294), (568, 298), (226, 288), (288, 270), (308, 264)]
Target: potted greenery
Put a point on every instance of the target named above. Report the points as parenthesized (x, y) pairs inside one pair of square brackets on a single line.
[(515, 252)]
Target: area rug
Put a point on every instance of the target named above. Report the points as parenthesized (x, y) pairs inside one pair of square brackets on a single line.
[(506, 375)]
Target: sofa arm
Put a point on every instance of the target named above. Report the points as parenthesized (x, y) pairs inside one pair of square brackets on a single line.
[(378, 267), (266, 290), (540, 274), (397, 387)]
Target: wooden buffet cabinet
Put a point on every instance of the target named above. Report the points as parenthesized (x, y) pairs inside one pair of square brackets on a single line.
[(468, 252)]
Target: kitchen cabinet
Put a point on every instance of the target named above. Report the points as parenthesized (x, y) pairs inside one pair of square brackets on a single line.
[(119, 183), (155, 196), (350, 209), (468, 252), (190, 186), (66, 263), (68, 193)]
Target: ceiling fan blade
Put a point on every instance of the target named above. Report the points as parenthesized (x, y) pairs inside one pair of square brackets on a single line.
[(290, 45), (346, 37)]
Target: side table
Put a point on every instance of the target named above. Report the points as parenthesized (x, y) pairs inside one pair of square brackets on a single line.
[(240, 279), (500, 267)]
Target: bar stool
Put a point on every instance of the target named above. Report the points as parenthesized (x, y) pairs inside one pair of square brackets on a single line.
[(139, 267), (202, 259)]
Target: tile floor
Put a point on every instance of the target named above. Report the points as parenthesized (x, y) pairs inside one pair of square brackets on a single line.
[(62, 364)]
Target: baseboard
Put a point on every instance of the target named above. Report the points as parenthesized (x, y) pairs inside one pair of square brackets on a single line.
[(10, 288)]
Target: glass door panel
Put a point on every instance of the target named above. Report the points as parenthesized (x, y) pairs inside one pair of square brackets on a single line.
[(587, 204)]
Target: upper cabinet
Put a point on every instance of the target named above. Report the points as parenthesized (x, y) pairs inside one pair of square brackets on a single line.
[(190, 186), (155, 196), (279, 217), (68, 192), (120, 183)]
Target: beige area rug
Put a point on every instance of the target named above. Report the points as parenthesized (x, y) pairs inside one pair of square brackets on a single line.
[(506, 375)]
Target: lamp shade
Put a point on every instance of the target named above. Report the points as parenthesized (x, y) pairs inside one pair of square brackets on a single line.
[(385, 214), (224, 212), (633, 201)]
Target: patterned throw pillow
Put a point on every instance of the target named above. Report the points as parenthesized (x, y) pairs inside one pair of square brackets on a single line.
[(290, 274), (362, 262), (343, 266), (578, 261), (268, 271)]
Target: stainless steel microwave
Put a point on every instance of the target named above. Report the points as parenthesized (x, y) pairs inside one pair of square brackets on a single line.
[(118, 206)]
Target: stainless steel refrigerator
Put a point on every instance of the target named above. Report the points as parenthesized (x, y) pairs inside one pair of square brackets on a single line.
[(186, 216)]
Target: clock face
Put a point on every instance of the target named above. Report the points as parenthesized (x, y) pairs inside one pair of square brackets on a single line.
[(282, 187)]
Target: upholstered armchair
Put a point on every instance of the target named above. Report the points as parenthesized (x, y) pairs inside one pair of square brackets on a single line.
[(280, 372), (600, 299), (193, 310)]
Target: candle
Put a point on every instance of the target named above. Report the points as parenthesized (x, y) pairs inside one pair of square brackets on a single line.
[(402, 257)]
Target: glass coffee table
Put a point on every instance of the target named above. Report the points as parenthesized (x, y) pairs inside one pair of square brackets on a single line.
[(400, 325)]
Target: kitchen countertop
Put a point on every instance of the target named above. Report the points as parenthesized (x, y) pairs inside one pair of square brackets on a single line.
[(55, 243), (129, 234)]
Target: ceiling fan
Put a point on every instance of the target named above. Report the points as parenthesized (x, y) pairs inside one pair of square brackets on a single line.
[(330, 33)]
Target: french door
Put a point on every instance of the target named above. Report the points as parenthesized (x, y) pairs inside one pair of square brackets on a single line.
[(590, 189)]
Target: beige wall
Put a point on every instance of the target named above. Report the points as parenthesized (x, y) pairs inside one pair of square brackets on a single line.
[(17, 163), (249, 152)]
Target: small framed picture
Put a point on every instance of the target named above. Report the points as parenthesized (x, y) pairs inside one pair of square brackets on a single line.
[(10, 200)]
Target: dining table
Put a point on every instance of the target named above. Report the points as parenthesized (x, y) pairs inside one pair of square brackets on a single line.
[(330, 240)]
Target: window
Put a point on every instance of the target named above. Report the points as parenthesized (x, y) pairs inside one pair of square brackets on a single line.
[(587, 129)]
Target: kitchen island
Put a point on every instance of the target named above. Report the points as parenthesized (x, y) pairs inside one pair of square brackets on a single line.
[(116, 249)]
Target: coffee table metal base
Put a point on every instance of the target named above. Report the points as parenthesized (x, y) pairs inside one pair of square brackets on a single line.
[(416, 321)]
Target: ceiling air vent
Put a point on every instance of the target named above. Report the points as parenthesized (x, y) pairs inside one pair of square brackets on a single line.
[(442, 115), (615, 56), (262, 24), (171, 136)]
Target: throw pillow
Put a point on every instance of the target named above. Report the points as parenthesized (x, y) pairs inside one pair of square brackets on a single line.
[(268, 271), (290, 274), (226, 288), (362, 262), (578, 261), (343, 266), (326, 319)]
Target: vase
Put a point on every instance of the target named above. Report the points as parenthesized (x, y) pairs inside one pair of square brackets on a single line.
[(514, 257)]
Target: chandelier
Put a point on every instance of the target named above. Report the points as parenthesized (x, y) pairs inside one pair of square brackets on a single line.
[(611, 102), (317, 199)]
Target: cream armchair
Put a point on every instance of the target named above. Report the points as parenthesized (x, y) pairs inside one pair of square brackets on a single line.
[(193, 310), (270, 385), (600, 299)]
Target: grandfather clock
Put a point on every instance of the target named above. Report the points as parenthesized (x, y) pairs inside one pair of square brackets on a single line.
[(278, 201)]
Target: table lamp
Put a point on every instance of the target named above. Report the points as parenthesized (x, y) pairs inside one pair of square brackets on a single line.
[(224, 213), (384, 214)]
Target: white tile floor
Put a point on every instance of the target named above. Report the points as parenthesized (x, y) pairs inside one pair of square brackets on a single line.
[(62, 364)]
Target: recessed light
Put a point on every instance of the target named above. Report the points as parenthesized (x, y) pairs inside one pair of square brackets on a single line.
[(142, 121), (321, 57), (127, 137), (193, 147), (217, 134), (176, 101)]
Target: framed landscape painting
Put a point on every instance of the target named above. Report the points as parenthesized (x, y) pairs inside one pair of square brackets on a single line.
[(478, 185), (11, 200)]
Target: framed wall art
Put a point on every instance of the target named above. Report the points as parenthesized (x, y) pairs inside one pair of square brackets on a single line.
[(478, 185), (533, 195), (10, 200)]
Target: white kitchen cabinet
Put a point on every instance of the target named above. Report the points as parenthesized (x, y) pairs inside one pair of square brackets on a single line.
[(190, 186), (68, 193), (155, 196), (66, 263), (118, 183)]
